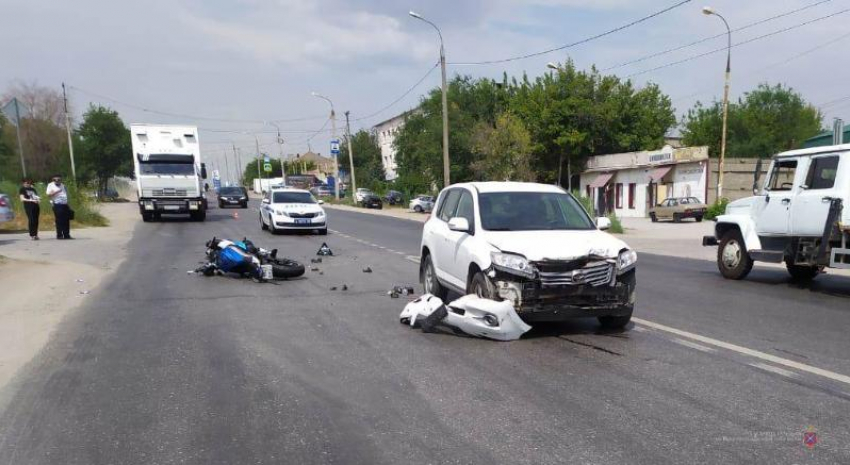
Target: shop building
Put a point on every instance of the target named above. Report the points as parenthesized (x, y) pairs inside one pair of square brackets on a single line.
[(629, 184)]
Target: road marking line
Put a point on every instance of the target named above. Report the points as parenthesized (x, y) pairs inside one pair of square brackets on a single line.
[(693, 345), (772, 369), (413, 259), (745, 351)]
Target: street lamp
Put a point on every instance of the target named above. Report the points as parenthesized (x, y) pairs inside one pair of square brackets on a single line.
[(446, 175), (280, 145), (333, 136), (709, 11), (553, 65)]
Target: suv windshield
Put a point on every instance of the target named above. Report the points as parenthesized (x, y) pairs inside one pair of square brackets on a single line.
[(180, 169), (293, 197), (532, 211), (231, 191)]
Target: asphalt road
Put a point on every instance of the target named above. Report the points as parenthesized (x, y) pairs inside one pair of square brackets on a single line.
[(165, 367)]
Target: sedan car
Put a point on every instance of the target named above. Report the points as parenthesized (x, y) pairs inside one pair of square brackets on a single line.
[(422, 204), (285, 209), (233, 196), (393, 198), (361, 193), (322, 191), (6, 212), (372, 201), (678, 208)]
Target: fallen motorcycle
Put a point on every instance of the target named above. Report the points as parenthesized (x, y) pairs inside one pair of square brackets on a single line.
[(246, 259)]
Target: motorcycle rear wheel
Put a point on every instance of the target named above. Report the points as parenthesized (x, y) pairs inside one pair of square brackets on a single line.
[(284, 268)]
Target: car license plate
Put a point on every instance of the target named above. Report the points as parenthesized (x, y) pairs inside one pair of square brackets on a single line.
[(302, 221), (171, 207), (232, 201)]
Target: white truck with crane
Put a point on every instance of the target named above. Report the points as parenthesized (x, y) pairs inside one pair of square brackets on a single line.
[(798, 217), (169, 173)]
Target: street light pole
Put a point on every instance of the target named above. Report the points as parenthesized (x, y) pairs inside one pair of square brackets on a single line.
[(333, 137), (350, 153), (446, 170), (280, 146), (68, 129), (710, 11)]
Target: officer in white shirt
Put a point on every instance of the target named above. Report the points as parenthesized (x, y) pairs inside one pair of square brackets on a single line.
[(61, 211)]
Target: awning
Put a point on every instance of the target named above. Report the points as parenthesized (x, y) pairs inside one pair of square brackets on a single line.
[(601, 180), (659, 173)]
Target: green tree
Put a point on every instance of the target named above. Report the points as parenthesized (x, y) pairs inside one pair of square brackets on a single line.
[(504, 150), (369, 170), (104, 149), (765, 121)]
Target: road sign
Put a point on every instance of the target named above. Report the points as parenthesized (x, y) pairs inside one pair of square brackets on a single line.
[(334, 147), (267, 167)]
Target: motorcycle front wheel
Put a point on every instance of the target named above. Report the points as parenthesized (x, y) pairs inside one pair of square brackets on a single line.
[(284, 268)]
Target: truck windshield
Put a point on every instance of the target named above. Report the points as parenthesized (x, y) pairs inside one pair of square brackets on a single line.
[(181, 169), (531, 211), (293, 197)]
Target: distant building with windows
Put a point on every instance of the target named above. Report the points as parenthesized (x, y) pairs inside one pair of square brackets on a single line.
[(385, 132), (629, 184)]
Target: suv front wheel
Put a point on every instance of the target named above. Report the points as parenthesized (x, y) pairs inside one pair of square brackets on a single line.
[(482, 287), (429, 279), (732, 258)]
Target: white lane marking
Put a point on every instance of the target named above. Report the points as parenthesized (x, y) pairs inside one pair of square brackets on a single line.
[(693, 345), (412, 258), (640, 329), (400, 253), (772, 369), (745, 351), (382, 247)]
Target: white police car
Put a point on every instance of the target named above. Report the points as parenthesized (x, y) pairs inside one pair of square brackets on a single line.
[(286, 209)]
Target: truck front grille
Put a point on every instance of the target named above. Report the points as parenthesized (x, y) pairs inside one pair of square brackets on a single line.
[(594, 274), (169, 192)]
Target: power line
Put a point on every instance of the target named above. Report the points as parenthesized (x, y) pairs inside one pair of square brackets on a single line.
[(723, 49), (706, 39), (405, 94), (573, 44)]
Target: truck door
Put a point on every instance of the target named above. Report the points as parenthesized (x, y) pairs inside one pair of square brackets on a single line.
[(775, 215), (811, 204)]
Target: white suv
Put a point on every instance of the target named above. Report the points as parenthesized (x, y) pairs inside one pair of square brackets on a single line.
[(292, 209), (531, 244)]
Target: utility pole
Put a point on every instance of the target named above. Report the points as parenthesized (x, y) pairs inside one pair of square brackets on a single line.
[(240, 168), (68, 129), (709, 11), (18, 134), (350, 153), (259, 173), (227, 166)]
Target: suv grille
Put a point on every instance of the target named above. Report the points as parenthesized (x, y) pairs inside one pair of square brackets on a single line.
[(594, 274)]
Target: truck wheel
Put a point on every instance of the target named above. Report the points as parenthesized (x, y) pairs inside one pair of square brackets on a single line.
[(429, 280), (803, 273), (198, 216), (482, 287), (615, 321), (147, 217), (732, 258)]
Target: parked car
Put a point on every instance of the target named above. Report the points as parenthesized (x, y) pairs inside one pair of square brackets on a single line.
[(322, 191), (372, 201), (394, 198), (800, 217), (6, 212), (233, 195), (531, 244), (361, 193), (677, 209), (422, 204), (292, 209)]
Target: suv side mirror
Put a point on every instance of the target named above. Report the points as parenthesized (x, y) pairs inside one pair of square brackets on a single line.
[(603, 223), (459, 224)]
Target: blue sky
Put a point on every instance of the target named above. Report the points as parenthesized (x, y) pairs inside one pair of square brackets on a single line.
[(260, 59)]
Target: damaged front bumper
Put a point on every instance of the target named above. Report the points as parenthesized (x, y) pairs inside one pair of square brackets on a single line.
[(539, 299)]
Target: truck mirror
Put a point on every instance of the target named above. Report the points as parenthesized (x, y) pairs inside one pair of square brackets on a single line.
[(203, 170)]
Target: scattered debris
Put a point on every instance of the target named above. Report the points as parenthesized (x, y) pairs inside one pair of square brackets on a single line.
[(85, 292), (393, 294), (344, 287), (401, 290), (367, 270), (315, 260), (324, 250), (314, 268), (81, 280), (470, 315), (333, 288), (235, 215)]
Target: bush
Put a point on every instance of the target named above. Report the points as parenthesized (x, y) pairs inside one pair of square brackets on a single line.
[(616, 225), (80, 200), (716, 209)]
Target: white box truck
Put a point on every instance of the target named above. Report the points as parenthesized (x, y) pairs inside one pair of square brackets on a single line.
[(169, 173)]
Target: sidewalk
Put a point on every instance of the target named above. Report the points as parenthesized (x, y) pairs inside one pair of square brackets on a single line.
[(402, 213), (44, 281)]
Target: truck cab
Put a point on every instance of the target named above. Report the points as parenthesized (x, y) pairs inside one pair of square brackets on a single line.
[(797, 217), (169, 173)]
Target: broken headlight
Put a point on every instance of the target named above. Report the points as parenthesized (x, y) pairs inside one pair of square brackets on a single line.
[(626, 261), (512, 263)]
